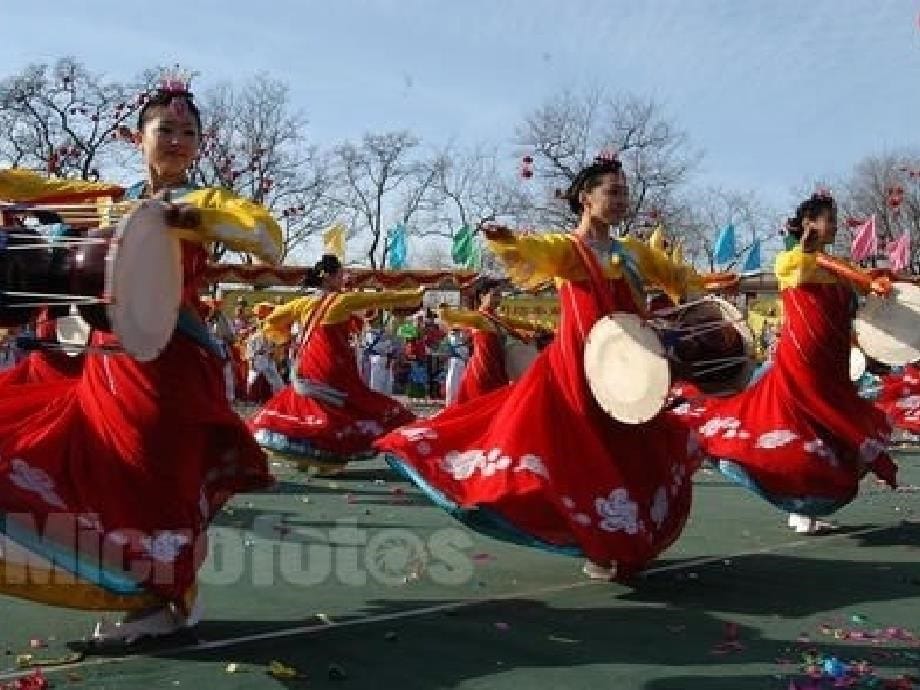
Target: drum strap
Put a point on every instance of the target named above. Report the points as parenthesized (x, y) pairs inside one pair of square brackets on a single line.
[(599, 280), (190, 326)]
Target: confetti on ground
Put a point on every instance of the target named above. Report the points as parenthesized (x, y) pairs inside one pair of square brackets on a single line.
[(278, 670), (337, 672)]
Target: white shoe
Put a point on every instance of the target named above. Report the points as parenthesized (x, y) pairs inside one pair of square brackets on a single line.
[(157, 623), (599, 572), (803, 524)]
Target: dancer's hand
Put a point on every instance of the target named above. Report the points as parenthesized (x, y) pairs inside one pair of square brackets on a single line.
[(881, 286), (179, 216), (496, 233)]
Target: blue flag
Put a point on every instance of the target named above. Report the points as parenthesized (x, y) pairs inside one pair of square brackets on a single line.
[(725, 244), (396, 246), (752, 263)]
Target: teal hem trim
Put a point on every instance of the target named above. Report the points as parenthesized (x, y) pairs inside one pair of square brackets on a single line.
[(479, 519), (303, 448), (812, 506), (109, 580)]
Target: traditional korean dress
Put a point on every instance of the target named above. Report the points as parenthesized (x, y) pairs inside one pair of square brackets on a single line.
[(899, 398), (108, 483), (539, 462), (327, 413), (485, 370), (801, 436)]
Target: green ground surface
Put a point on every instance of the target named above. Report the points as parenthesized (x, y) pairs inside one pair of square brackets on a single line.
[(733, 605)]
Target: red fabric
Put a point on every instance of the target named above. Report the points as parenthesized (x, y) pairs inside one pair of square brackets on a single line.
[(801, 431), (343, 431), (43, 367), (152, 449), (485, 372), (541, 455), (899, 398)]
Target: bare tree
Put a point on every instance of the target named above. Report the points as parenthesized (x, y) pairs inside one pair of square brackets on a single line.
[(380, 177), (696, 221), (253, 144), (567, 132), (66, 120), (473, 189), (868, 191)]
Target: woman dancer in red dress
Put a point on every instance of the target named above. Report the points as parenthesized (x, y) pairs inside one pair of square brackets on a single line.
[(327, 414), (107, 485), (485, 370), (801, 437), (539, 462)]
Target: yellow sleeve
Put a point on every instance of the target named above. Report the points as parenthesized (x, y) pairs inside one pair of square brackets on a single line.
[(347, 303), (239, 223), (796, 267), (277, 325), (533, 260), (658, 269), (523, 324), (17, 184), (466, 318)]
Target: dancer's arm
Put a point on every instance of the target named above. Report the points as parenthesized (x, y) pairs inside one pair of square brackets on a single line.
[(277, 325), (348, 303), (861, 280), (676, 280), (238, 223), (466, 318), (533, 260)]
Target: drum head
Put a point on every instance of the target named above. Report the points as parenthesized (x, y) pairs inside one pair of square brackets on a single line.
[(888, 328), (626, 368), (857, 364), (518, 358), (72, 330), (144, 277)]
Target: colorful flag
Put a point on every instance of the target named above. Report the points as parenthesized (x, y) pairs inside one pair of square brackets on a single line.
[(752, 263), (334, 241), (865, 241), (677, 256), (396, 246), (899, 253), (657, 240), (725, 244), (464, 251)]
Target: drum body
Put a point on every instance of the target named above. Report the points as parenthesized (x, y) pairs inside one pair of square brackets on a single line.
[(127, 280), (31, 263), (709, 344)]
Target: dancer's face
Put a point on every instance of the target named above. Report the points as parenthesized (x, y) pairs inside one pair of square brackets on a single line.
[(822, 229), (334, 282), (169, 141), (608, 202)]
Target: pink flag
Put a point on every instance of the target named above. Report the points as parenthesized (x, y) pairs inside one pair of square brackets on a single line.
[(899, 253), (865, 243)]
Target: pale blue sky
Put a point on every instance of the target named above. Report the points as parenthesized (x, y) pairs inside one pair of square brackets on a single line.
[(774, 92)]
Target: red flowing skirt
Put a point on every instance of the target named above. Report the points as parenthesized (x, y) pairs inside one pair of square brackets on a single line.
[(140, 454), (43, 367), (800, 436), (339, 428), (485, 371), (538, 462)]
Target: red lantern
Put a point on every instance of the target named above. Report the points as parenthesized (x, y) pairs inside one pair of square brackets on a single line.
[(528, 160)]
